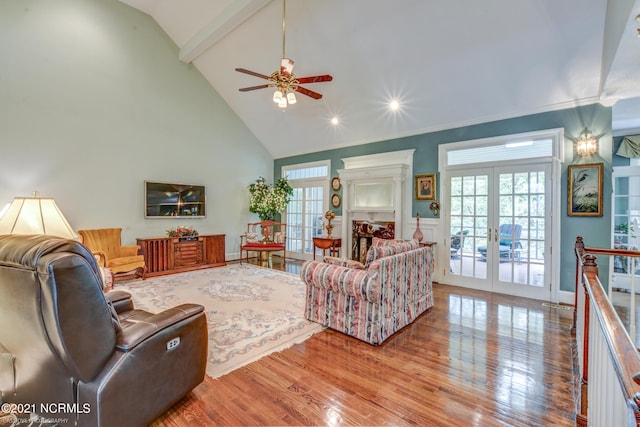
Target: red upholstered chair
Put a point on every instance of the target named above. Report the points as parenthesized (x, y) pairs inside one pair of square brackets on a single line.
[(264, 238)]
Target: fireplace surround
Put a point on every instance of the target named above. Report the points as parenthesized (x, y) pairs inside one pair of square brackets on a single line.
[(377, 189), (363, 232)]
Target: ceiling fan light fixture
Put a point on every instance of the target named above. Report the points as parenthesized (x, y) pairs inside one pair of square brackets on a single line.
[(283, 79)]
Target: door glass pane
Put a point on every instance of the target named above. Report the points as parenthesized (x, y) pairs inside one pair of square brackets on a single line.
[(468, 224), (304, 219), (521, 228), (313, 216), (294, 222)]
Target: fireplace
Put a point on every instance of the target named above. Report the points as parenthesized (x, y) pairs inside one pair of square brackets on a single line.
[(363, 233), (376, 199)]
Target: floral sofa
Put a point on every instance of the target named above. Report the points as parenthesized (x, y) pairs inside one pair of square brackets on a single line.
[(371, 301)]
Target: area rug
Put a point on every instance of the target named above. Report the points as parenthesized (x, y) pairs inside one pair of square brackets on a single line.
[(251, 311)]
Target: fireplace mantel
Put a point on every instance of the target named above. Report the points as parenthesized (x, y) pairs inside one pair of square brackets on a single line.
[(377, 187)]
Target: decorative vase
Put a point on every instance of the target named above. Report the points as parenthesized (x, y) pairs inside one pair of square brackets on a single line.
[(418, 234), (329, 228)]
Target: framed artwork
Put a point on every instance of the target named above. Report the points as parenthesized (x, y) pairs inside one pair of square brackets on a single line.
[(335, 200), (425, 186), (585, 189), (335, 183)]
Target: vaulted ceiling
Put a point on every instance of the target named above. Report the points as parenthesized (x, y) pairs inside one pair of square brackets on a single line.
[(448, 63)]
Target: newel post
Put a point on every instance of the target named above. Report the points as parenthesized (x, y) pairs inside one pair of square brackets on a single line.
[(579, 245), (589, 266), (578, 251)]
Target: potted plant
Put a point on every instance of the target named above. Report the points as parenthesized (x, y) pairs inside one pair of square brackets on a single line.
[(267, 201), (183, 233)]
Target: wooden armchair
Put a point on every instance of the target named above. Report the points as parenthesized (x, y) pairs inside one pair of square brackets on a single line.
[(264, 237), (105, 243)]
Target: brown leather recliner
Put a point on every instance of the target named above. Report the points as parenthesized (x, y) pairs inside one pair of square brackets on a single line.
[(63, 342)]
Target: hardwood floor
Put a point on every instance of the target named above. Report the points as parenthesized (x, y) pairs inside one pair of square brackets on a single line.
[(474, 359)]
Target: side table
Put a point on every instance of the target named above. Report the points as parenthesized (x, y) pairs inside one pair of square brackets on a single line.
[(324, 243)]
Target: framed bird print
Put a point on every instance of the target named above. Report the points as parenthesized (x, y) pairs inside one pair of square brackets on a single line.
[(585, 189)]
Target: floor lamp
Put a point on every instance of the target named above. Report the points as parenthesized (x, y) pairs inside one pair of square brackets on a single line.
[(35, 215)]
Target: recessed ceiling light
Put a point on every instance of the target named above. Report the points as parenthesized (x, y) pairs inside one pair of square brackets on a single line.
[(335, 120), (394, 105)]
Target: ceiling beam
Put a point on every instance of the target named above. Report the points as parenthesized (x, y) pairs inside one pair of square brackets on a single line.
[(231, 17)]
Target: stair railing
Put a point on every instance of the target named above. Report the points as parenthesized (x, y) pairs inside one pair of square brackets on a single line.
[(607, 359)]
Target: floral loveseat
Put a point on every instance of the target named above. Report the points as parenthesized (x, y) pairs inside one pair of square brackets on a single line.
[(371, 301)]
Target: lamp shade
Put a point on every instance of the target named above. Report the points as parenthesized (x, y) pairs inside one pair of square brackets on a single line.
[(4, 210), (35, 215)]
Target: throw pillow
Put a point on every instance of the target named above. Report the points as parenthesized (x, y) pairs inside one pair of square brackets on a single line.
[(376, 252), (377, 241), (506, 239), (252, 237)]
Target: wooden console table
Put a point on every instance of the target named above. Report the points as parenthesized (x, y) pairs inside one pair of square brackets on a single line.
[(166, 255), (324, 243)]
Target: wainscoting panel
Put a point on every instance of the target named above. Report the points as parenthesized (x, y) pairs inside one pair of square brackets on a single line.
[(431, 231)]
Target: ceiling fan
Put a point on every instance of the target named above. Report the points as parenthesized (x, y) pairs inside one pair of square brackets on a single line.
[(285, 82)]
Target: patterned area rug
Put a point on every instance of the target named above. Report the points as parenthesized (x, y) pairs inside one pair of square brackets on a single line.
[(251, 311)]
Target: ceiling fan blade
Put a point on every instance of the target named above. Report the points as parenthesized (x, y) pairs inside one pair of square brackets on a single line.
[(252, 73), (314, 79), (312, 94), (247, 89)]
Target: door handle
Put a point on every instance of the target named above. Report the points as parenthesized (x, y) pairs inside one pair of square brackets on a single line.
[(495, 235), (488, 235)]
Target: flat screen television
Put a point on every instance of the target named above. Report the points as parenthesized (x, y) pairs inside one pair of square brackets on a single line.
[(169, 200)]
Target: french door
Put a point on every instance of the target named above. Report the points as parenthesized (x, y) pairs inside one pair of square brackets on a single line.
[(304, 218), (499, 221)]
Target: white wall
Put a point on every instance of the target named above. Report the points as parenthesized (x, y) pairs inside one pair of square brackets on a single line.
[(93, 101)]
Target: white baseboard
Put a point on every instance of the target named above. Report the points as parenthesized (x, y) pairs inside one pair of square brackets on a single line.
[(566, 297)]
